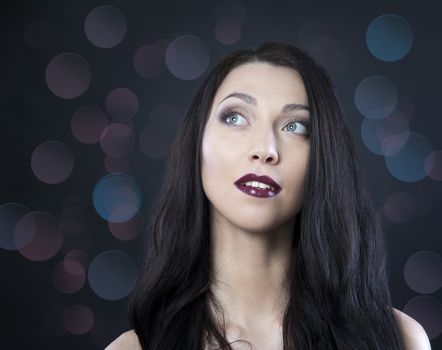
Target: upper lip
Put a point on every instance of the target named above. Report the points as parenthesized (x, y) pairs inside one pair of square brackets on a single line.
[(253, 177)]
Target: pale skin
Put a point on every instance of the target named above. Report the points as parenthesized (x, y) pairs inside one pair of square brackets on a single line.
[(252, 237)]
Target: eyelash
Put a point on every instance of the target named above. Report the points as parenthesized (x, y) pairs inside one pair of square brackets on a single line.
[(232, 112)]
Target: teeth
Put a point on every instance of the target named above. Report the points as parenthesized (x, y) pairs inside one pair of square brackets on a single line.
[(258, 184)]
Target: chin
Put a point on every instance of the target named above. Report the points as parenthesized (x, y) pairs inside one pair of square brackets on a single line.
[(252, 224)]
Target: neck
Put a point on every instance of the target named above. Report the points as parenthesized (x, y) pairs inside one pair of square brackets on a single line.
[(249, 273)]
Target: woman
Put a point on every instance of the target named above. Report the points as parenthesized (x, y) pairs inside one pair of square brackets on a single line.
[(290, 256)]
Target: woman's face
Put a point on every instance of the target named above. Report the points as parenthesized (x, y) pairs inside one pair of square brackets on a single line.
[(257, 138)]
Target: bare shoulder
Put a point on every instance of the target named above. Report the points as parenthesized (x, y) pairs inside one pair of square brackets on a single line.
[(413, 334), (126, 341)]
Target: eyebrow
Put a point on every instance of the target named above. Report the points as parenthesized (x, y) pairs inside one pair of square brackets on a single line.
[(251, 100)]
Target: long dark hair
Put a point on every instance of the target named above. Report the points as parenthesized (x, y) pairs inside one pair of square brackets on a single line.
[(337, 278)]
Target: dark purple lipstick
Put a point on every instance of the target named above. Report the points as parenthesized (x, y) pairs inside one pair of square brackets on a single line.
[(271, 190)]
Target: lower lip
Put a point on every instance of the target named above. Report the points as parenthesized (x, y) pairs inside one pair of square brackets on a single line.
[(257, 192)]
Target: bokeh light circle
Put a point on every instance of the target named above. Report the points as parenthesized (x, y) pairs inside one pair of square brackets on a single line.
[(68, 276), (78, 256), (423, 272), (187, 57), (38, 236), (78, 319), (127, 230), (400, 207), (88, 123), (117, 140), (379, 135), (117, 197), (52, 162), (10, 214), (112, 275), (376, 97), (122, 104), (433, 165), (105, 26), (428, 312), (68, 75), (408, 164), (389, 37), (227, 31)]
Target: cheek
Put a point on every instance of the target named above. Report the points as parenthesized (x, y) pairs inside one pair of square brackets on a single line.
[(298, 179), (216, 155), (211, 161)]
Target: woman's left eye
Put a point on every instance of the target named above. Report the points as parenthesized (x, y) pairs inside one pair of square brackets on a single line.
[(305, 126), (232, 115)]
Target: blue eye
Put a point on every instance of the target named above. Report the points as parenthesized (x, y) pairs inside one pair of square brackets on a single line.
[(232, 115), (305, 125)]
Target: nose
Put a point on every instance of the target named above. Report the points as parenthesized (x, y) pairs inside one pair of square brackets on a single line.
[(264, 148), (268, 155)]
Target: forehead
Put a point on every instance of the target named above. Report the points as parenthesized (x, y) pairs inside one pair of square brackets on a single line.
[(264, 81)]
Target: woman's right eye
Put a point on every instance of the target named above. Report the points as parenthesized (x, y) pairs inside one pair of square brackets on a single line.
[(231, 115)]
